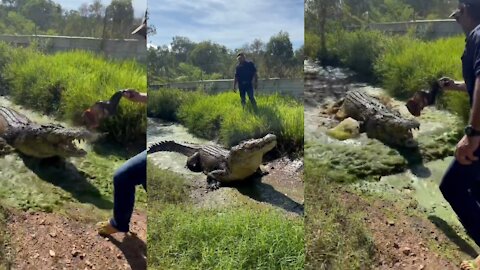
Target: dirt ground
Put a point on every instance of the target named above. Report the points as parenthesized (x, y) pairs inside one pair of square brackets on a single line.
[(405, 241), (51, 241)]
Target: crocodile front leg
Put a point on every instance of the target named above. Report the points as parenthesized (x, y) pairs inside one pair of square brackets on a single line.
[(5, 148), (213, 177)]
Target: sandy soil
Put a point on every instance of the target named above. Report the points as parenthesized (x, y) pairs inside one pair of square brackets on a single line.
[(51, 241)]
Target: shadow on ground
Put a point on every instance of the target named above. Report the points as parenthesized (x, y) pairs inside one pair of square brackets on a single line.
[(134, 250), (108, 147), (414, 159), (265, 193), (453, 236), (65, 175)]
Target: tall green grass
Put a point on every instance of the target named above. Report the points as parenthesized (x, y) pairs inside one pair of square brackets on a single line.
[(233, 238), (5, 261), (65, 84), (222, 116)]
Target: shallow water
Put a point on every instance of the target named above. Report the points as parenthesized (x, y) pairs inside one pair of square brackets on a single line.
[(159, 130)]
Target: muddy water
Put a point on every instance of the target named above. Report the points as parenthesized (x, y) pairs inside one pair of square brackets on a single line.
[(324, 86), (281, 188)]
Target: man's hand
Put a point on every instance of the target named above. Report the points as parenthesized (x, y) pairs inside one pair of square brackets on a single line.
[(255, 85), (135, 96), (234, 89), (446, 83), (465, 149)]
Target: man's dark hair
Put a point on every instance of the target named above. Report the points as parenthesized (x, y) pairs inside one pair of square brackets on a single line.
[(473, 8), (474, 11)]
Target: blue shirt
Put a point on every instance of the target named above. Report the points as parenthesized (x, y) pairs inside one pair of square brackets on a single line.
[(245, 71), (471, 61)]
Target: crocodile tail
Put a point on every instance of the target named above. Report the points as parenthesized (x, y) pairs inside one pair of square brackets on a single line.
[(171, 146)]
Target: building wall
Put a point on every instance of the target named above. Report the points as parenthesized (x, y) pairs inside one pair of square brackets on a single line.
[(115, 48), (430, 29), (288, 87)]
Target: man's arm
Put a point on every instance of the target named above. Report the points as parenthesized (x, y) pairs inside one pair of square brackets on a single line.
[(235, 81), (475, 114), (466, 147), (255, 76), (451, 85), (136, 96)]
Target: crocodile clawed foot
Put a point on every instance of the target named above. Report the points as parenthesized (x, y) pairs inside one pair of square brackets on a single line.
[(213, 184)]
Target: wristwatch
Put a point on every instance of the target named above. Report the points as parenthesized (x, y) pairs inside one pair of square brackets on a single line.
[(471, 132)]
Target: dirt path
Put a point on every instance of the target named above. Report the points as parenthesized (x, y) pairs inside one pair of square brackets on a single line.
[(51, 241), (405, 241)]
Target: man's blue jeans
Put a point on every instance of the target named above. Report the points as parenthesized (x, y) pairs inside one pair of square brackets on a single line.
[(126, 178), (247, 88), (461, 188)]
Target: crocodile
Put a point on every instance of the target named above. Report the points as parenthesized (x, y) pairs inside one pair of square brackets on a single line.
[(37, 140), (221, 165), (378, 121)]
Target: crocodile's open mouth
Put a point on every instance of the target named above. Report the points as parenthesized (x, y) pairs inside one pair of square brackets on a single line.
[(71, 148), (68, 144)]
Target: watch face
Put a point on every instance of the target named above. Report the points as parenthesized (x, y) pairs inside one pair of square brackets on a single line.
[(468, 130)]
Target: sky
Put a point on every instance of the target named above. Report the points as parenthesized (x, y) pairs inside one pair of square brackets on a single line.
[(232, 23), (139, 6)]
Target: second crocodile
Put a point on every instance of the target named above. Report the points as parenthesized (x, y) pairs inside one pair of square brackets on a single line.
[(219, 164), (377, 120)]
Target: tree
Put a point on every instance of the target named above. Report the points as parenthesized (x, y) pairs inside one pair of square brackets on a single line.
[(181, 48), (209, 56), (280, 47), (44, 13), (119, 19)]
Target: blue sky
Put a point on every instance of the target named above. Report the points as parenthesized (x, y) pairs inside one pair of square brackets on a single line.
[(228, 22), (139, 6)]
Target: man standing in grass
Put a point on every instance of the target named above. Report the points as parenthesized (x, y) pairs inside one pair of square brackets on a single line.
[(246, 78), (131, 174), (461, 184)]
